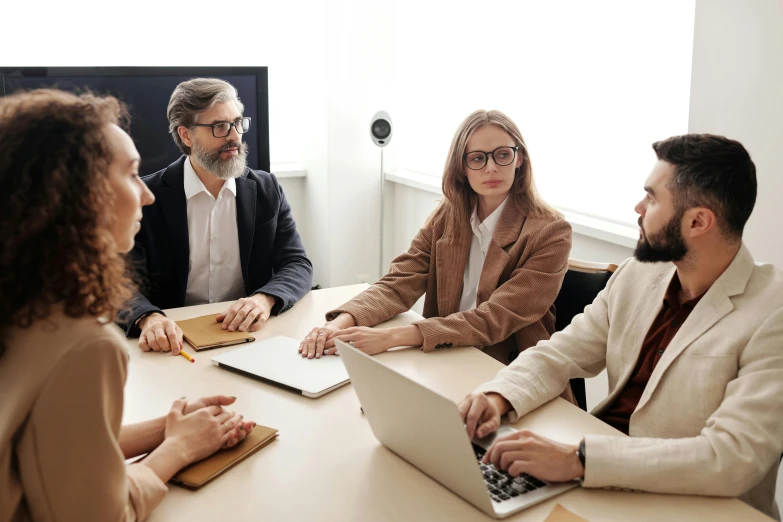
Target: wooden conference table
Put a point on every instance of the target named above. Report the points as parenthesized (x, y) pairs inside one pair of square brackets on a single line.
[(326, 465)]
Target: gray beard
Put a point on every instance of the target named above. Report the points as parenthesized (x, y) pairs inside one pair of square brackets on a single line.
[(224, 169)]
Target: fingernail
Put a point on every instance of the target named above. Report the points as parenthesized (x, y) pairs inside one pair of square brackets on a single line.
[(182, 398), (241, 328), (232, 396), (318, 356)]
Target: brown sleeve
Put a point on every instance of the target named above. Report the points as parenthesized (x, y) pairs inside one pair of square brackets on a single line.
[(397, 291), (71, 460), (520, 301)]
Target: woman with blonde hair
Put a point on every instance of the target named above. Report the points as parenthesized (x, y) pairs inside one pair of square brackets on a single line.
[(69, 209), (490, 259)]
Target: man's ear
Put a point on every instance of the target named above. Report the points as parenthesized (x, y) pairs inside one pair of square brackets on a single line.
[(184, 135), (699, 221)]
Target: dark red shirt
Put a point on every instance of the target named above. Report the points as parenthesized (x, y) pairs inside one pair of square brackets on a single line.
[(668, 322)]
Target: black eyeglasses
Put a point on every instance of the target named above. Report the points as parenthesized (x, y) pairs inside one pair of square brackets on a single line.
[(221, 129), (502, 156)]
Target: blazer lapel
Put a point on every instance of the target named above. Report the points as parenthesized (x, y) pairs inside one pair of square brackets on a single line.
[(638, 325), (715, 305), (246, 221), (172, 201), (507, 232), (451, 258)]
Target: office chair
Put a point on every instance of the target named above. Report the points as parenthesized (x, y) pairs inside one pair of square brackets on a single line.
[(582, 283)]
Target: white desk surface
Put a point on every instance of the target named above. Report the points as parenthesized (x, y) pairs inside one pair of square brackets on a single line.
[(327, 466)]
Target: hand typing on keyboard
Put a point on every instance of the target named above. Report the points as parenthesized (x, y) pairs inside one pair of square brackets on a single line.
[(503, 486), (524, 452)]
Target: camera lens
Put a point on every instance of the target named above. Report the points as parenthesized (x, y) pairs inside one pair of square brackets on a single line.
[(381, 129)]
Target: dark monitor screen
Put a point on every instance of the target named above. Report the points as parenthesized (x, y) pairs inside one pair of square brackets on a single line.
[(146, 92)]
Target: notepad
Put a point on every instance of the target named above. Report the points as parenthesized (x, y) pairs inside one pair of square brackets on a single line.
[(561, 514), (199, 473), (205, 332)]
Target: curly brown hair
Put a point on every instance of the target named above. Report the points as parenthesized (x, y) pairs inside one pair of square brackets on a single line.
[(55, 219)]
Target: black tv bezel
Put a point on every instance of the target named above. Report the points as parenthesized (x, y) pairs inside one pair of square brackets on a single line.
[(261, 73)]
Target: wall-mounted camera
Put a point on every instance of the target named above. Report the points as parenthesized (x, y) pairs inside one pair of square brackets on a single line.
[(381, 128)]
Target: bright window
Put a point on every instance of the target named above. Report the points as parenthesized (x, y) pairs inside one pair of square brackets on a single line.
[(590, 84)]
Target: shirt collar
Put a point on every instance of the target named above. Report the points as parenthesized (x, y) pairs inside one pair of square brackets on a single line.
[(672, 297), (194, 186), (490, 223)]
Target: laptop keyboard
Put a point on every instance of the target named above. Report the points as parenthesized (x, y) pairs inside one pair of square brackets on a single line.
[(500, 484)]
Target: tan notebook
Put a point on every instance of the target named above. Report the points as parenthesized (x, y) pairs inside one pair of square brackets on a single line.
[(205, 332), (561, 514), (198, 474)]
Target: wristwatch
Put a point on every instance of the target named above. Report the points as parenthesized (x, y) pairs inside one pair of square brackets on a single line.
[(581, 452)]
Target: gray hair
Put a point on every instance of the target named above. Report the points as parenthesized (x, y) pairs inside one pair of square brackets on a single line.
[(193, 97)]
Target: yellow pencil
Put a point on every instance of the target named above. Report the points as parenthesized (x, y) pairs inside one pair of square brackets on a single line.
[(186, 356)]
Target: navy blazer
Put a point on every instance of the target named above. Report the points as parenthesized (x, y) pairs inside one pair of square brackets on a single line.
[(270, 250)]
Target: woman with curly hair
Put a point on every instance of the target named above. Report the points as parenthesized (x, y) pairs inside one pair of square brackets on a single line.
[(70, 207)]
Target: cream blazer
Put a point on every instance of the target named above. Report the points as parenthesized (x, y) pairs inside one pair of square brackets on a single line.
[(710, 421)]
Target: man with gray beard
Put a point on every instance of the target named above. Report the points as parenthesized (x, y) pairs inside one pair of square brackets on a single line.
[(218, 231)]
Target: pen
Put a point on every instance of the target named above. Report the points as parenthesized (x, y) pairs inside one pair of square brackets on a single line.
[(186, 356)]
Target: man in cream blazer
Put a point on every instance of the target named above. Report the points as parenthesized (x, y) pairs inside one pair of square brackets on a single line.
[(690, 332)]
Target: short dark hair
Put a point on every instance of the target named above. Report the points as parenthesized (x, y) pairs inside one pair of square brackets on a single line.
[(714, 172)]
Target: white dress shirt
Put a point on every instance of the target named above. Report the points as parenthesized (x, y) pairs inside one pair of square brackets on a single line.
[(214, 270), (482, 235)]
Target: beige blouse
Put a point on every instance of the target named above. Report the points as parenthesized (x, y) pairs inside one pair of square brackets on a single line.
[(61, 394)]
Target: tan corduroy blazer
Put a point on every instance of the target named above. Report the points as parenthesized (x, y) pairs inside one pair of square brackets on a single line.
[(523, 270), (710, 421)]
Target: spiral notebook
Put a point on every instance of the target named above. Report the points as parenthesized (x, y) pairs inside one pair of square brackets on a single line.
[(205, 332), (199, 473)]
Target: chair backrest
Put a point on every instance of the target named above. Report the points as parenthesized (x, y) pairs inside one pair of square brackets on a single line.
[(582, 283)]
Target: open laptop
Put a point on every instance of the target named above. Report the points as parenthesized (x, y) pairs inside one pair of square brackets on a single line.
[(426, 429), (277, 361)]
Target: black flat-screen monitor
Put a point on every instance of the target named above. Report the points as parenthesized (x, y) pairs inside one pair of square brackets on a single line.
[(146, 92)]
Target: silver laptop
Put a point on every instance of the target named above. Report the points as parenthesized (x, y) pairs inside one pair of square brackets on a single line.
[(426, 429), (277, 361)]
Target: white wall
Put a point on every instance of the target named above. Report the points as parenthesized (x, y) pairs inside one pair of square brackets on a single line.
[(357, 67), (737, 91)]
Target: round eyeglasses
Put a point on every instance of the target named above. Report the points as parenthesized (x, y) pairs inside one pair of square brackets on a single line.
[(222, 129), (502, 156)]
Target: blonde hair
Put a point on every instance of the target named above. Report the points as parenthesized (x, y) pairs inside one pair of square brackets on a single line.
[(460, 198)]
